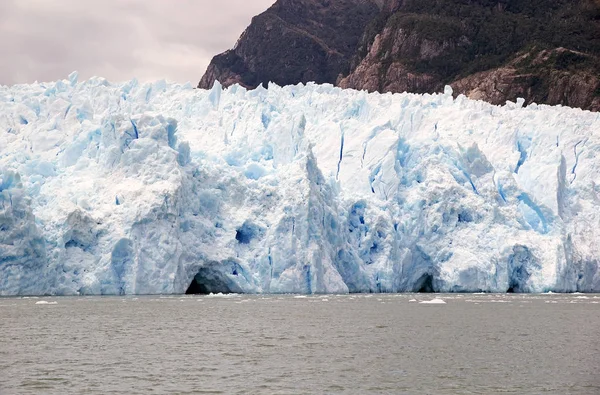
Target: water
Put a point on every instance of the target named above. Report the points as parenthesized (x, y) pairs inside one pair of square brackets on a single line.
[(473, 344)]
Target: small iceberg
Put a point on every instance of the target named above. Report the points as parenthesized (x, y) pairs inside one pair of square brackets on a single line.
[(433, 301), (45, 302), (413, 300), (222, 295)]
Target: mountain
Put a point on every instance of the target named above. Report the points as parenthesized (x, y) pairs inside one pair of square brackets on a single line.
[(493, 50), (294, 41), (160, 188)]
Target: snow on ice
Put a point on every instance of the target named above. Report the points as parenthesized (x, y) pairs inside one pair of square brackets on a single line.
[(159, 188)]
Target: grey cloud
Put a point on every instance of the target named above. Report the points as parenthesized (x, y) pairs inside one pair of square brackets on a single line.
[(117, 39)]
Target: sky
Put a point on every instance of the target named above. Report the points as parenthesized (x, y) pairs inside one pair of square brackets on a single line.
[(45, 40)]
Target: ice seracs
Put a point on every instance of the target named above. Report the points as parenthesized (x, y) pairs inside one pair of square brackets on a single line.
[(161, 188)]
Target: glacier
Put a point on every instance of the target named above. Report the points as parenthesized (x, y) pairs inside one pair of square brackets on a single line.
[(160, 188)]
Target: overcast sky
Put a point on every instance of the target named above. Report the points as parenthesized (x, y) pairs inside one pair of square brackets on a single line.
[(45, 40)]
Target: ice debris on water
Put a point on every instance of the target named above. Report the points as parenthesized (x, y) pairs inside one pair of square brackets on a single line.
[(149, 188), (433, 301)]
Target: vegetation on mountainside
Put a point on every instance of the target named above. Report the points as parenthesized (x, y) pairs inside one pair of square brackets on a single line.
[(485, 34)]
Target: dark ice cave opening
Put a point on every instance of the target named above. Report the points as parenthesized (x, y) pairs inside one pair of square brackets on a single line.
[(196, 288), (513, 288), (208, 281), (425, 284)]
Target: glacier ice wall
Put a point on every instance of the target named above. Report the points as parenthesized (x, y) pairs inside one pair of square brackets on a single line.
[(147, 188)]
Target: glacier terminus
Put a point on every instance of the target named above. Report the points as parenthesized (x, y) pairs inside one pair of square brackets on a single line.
[(160, 188)]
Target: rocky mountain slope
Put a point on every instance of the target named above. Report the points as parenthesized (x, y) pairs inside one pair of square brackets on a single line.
[(294, 41), (493, 50)]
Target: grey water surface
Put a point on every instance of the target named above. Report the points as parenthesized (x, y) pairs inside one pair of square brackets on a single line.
[(355, 344)]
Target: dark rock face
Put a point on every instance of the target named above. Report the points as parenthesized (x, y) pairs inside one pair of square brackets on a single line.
[(294, 41), (492, 50)]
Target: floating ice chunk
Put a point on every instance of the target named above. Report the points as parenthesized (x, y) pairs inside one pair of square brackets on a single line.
[(222, 295), (433, 301), (45, 302)]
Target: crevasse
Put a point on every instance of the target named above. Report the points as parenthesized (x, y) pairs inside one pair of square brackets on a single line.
[(161, 188)]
